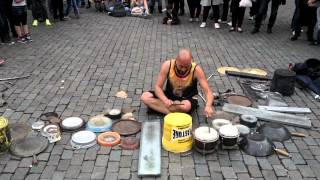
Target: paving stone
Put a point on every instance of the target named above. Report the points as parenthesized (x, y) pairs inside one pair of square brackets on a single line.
[(20, 173), (67, 154), (188, 172), (54, 160), (297, 158), (77, 159), (43, 156), (280, 170), (73, 171), (291, 147), (84, 176), (5, 176), (315, 150), (274, 160), (202, 170), (32, 177), (134, 165), (115, 156), (1, 167), (306, 154), (243, 176), (48, 172), (224, 160), (315, 166), (264, 164), (239, 167), (254, 171), (87, 166), (165, 162), (124, 173), (174, 158), (228, 172), (294, 175), (250, 160), (289, 164), (11, 166), (175, 169), (38, 168), (98, 173), (214, 166), (310, 141), (267, 174), (305, 171), (58, 175), (176, 177), (113, 167), (104, 150), (198, 158), (125, 161), (164, 175), (111, 176), (235, 155), (57, 150), (187, 162), (91, 154), (63, 165), (102, 160), (25, 162)]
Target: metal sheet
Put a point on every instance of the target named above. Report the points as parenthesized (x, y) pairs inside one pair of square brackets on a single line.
[(299, 121), (150, 151), (285, 109)]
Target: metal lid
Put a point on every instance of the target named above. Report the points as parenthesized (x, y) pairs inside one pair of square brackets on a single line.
[(29, 146), (72, 123), (126, 127), (203, 134), (3, 122), (239, 100), (83, 137), (19, 130), (217, 123)]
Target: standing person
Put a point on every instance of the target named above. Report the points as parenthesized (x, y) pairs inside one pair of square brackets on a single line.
[(181, 5), (152, 5), (8, 12), (57, 5), (207, 5), (4, 26), (39, 12), (19, 12), (195, 10), (74, 5), (237, 16), (262, 10), (181, 76), (225, 11), (318, 25)]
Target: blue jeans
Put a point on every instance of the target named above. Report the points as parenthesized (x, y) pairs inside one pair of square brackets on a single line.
[(72, 3), (318, 25)]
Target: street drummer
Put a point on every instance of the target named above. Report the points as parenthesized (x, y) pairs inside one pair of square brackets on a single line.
[(180, 94)]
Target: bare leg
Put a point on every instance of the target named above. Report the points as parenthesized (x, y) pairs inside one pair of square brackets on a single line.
[(154, 103), (185, 108), (18, 31), (25, 29)]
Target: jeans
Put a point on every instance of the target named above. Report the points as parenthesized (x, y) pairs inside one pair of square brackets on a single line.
[(262, 10), (72, 3), (151, 5)]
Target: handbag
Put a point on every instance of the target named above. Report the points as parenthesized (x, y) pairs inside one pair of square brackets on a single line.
[(245, 3)]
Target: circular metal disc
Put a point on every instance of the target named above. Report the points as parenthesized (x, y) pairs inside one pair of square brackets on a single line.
[(126, 127), (29, 146), (19, 130), (239, 100)]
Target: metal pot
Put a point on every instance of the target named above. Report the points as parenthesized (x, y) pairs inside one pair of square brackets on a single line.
[(229, 135), (274, 132), (248, 120), (206, 138)]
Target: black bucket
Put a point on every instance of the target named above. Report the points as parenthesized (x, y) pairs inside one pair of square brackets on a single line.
[(283, 82)]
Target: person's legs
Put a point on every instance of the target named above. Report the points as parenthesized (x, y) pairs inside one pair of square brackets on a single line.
[(262, 10), (216, 13), (75, 8), (191, 7), (198, 8), (151, 4), (234, 7), (60, 6), (206, 10), (225, 10), (241, 12), (273, 15), (159, 6), (318, 25), (54, 5), (154, 103), (181, 5), (69, 4)]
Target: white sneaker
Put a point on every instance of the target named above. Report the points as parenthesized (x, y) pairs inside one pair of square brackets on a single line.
[(202, 25), (217, 25), (191, 20), (219, 20), (197, 19), (229, 23)]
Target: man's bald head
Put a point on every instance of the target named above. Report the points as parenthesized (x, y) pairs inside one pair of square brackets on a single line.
[(184, 56)]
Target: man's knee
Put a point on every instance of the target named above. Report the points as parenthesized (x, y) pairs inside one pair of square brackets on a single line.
[(145, 97), (186, 107)]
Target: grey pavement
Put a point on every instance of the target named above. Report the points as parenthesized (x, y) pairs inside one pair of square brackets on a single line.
[(77, 67)]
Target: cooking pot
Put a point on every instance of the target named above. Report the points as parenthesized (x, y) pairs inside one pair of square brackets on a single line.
[(258, 145), (274, 132), (229, 135), (248, 120), (205, 138), (243, 130)]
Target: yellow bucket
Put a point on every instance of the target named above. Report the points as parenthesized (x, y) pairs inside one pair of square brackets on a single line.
[(177, 132), (4, 135)]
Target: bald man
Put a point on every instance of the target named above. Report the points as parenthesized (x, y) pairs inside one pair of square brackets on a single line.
[(180, 95)]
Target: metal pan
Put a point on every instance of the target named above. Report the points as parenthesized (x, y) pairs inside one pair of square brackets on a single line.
[(260, 146)]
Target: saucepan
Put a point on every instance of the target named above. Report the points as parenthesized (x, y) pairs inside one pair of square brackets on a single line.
[(277, 132), (259, 145)]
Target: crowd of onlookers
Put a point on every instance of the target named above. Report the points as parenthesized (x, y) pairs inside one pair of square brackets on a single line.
[(13, 14)]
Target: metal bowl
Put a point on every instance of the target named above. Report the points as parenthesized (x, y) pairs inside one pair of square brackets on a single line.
[(274, 132), (256, 145)]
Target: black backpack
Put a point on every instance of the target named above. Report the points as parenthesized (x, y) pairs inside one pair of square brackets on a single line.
[(118, 10)]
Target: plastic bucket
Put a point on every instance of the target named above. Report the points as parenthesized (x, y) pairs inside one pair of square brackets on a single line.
[(5, 138), (177, 132)]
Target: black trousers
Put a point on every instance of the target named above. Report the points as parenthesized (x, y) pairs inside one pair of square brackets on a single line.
[(216, 13), (262, 10), (254, 9), (39, 10), (181, 5), (225, 10), (57, 5), (237, 13), (4, 28), (194, 8)]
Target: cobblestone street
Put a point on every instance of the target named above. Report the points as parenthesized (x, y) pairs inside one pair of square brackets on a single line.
[(76, 68)]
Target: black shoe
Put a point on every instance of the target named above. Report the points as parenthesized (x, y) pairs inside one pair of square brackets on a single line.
[(89, 5), (254, 31), (269, 30), (294, 37)]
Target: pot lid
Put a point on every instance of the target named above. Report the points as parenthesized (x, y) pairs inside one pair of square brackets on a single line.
[(29, 146), (99, 123), (83, 137), (72, 123), (130, 143), (126, 127), (249, 118), (206, 134), (229, 130), (239, 100), (217, 123), (243, 129), (19, 130), (259, 87)]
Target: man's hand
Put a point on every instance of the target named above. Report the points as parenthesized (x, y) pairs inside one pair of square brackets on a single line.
[(168, 102), (209, 111)]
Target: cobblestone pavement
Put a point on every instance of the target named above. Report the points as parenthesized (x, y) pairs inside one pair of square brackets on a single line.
[(98, 55)]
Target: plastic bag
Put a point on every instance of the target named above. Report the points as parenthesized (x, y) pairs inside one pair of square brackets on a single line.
[(245, 3)]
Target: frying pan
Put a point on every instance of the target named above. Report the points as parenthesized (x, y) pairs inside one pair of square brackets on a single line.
[(258, 145), (276, 132)]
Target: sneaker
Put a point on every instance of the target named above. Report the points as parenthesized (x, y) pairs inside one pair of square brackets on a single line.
[(219, 20), (216, 25), (21, 40), (239, 29), (47, 22), (191, 20), (197, 19), (251, 18), (232, 29), (229, 23), (28, 38), (35, 23), (164, 10), (254, 31), (202, 25)]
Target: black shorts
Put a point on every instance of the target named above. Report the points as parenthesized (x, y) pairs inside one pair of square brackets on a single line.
[(19, 14), (193, 101)]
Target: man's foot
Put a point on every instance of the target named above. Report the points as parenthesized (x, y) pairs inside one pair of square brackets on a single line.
[(202, 25), (47, 22), (196, 19), (269, 30), (216, 25), (35, 23), (254, 31)]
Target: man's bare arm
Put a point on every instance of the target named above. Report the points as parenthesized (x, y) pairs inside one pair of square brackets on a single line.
[(160, 82)]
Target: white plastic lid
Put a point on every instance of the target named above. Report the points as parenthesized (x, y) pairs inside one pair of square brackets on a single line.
[(83, 137), (72, 122), (229, 130), (217, 123), (203, 134)]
